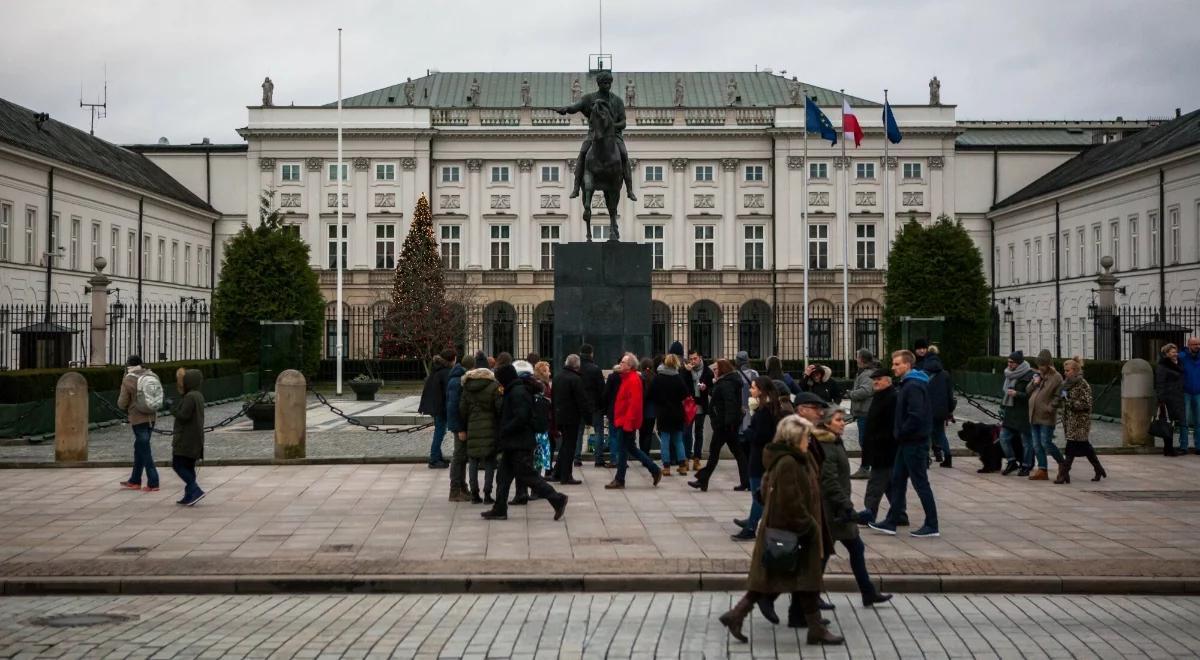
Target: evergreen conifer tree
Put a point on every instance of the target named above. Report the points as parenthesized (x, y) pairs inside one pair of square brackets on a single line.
[(420, 319)]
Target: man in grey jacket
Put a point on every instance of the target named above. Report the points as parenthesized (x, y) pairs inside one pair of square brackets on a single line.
[(860, 402)]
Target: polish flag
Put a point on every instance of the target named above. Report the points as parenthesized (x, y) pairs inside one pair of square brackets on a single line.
[(850, 124)]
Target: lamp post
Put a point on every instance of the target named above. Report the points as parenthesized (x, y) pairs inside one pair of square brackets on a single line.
[(1009, 319)]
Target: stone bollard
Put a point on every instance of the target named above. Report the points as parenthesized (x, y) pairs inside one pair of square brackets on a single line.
[(71, 418), (1137, 403), (290, 422)]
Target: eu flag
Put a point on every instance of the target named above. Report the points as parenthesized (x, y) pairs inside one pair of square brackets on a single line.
[(815, 121), (890, 125)]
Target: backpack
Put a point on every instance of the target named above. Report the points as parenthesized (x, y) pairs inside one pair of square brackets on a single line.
[(149, 393), (541, 413)]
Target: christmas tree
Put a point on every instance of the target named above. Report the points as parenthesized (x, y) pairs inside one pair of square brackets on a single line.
[(420, 323)]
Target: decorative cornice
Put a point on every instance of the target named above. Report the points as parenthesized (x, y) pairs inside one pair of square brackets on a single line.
[(408, 163), (841, 162), (936, 162), (314, 164), (361, 164), (474, 164), (729, 164), (891, 162), (571, 163), (679, 164), (795, 162), (524, 164), (266, 164)]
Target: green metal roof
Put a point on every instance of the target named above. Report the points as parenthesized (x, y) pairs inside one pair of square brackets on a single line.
[(549, 89), (1024, 137)]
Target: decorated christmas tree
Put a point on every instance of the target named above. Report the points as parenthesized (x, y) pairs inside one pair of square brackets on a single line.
[(419, 322)]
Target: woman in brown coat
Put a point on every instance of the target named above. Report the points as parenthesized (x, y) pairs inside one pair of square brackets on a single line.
[(791, 495)]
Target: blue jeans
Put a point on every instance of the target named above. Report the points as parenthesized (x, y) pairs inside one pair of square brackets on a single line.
[(940, 441), (616, 447), (1006, 435), (186, 469), (756, 508), (672, 448), (1043, 441), (858, 565), (596, 439), (693, 438), (629, 447), (143, 457), (1191, 415), (439, 434), (912, 463)]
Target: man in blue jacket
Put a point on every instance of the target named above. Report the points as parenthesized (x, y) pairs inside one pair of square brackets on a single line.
[(1190, 361), (458, 430), (913, 424)]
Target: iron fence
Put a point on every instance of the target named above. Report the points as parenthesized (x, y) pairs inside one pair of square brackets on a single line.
[(1128, 332), (713, 329)]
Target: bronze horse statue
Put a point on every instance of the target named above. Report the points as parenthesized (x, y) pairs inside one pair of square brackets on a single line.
[(603, 170)]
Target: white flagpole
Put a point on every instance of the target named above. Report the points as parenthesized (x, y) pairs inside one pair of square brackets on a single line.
[(339, 245), (887, 219), (845, 249), (804, 225)]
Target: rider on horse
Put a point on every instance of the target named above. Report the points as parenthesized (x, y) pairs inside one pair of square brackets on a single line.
[(584, 105)]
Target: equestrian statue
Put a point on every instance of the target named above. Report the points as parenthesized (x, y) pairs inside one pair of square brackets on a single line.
[(603, 163)]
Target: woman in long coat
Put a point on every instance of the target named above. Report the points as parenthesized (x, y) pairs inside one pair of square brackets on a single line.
[(791, 496)]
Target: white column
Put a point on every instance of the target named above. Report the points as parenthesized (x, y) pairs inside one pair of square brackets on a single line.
[(475, 233), (312, 202), (729, 239), (679, 225), (362, 248), (936, 203), (524, 234)]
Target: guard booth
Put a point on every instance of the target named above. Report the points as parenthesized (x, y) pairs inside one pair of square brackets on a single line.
[(913, 328), (44, 345), (1147, 339), (281, 347)]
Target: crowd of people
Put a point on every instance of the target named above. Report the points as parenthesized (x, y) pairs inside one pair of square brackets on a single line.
[(1177, 387)]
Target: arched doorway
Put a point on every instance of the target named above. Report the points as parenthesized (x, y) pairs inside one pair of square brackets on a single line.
[(704, 328), (500, 328), (755, 329)]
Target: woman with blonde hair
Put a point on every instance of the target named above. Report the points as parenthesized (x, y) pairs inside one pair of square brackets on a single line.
[(1076, 398), (789, 554)]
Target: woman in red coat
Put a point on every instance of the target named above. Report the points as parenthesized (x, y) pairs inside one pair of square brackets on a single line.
[(627, 419)]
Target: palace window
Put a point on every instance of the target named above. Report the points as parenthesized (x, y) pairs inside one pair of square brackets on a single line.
[(818, 170), (333, 171), (95, 242), (290, 172), (818, 245), (1028, 262), (1012, 263), (705, 246), (864, 243), (174, 274), (1114, 232), (652, 235), (864, 170), (114, 247), (6, 211), (754, 173), (704, 173), (1152, 220), (331, 252), (501, 246), (550, 174), (161, 262), (385, 246), (755, 246), (1133, 242), (73, 256), (1066, 244), (600, 232), (1098, 244), (187, 263), (550, 236), (450, 174), (912, 170), (654, 173), (385, 171), (30, 234), (130, 247), (1037, 260), (1173, 228), (500, 174)]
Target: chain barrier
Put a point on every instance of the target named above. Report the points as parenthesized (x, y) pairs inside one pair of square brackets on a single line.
[(993, 415), (37, 405), (370, 427), (121, 415)]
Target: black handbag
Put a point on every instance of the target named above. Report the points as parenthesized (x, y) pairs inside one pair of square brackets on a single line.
[(1160, 427), (781, 551)]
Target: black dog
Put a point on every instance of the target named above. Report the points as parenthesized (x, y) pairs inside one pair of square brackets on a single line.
[(984, 439)]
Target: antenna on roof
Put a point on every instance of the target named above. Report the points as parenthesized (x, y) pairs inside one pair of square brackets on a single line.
[(98, 110)]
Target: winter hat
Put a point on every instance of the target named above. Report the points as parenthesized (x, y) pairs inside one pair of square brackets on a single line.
[(506, 374), (1044, 359), (1017, 356), (809, 399), (523, 367), (676, 348), (921, 343), (481, 359), (742, 358), (881, 373)]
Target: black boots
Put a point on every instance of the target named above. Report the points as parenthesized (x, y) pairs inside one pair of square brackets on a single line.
[(1095, 461), (1064, 471), (733, 618)]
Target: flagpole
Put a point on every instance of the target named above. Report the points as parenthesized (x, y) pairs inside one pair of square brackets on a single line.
[(340, 245), (887, 219), (845, 248), (804, 224)]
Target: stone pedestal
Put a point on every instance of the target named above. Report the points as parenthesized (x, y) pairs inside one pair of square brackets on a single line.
[(99, 326), (71, 418), (291, 423), (1137, 403), (602, 298)]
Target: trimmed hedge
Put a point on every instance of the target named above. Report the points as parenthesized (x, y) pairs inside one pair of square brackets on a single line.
[(33, 384), (1096, 371)]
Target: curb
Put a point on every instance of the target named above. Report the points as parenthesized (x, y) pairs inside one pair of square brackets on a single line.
[(478, 584)]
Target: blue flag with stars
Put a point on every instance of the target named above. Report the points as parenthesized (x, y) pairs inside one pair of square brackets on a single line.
[(815, 121)]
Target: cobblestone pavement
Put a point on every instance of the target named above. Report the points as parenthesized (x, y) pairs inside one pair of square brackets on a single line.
[(594, 626), (331, 437), (394, 519)]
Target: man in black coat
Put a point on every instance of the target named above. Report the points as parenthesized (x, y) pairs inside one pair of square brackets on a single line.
[(879, 442), (911, 428), (593, 385), (572, 406), (941, 405), (433, 403), (516, 443)]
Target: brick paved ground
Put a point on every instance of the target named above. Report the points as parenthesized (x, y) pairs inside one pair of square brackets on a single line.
[(594, 626), (394, 519), (331, 437)]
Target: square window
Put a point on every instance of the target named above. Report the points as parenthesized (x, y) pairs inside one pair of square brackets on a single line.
[(864, 170), (654, 173), (912, 170), (450, 174), (549, 174), (385, 171), (500, 174), (704, 173), (754, 173), (333, 171), (290, 172), (818, 170)]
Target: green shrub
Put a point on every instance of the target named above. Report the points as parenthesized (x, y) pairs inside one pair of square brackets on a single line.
[(1097, 371), (33, 384)]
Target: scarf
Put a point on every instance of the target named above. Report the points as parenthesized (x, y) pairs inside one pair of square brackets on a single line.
[(1011, 376)]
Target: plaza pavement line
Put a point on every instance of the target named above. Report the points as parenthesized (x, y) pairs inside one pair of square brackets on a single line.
[(479, 584)]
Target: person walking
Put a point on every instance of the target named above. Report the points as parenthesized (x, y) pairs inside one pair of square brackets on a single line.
[(764, 401), (627, 419), (1044, 391), (860, 396), (911, 428), (593, 385), (457, 429), (611, 386), (1014, 414), (818, 379), (726, 417), (921, 352), (1076, 395), (433, 403), (1169, 388), (479, 410), (572, 406), (742, 361), (880, 443), (701, 379), (187, 441), (941, 403), (791, 496), (838, 509), (141, 420), (667, 392), (516, 444), (1190, 361), (646, 431)]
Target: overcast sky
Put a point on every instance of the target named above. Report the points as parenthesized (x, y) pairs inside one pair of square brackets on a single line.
[(187, 70)]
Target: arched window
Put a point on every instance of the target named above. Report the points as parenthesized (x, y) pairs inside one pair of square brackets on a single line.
[(704, 327), (866, 316), (543, 323), (755, 329), (500, 326), (820, 329)]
